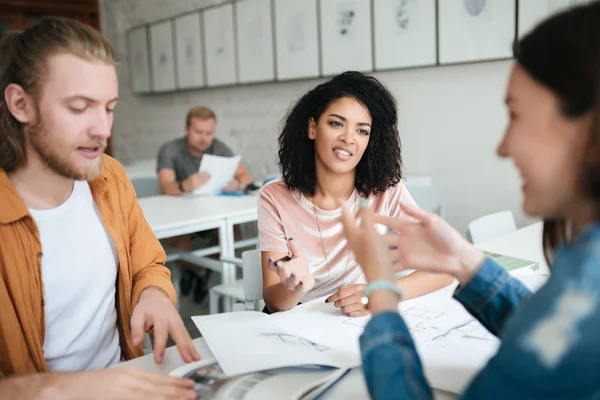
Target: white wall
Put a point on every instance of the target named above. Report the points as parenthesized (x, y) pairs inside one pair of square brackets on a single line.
[(451, 118)]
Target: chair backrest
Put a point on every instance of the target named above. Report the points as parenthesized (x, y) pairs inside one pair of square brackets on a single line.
[(146, 186), (491, 226), (252, 277), (428, 197)]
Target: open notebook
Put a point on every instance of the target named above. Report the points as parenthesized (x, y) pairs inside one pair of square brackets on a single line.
[(290, 383)]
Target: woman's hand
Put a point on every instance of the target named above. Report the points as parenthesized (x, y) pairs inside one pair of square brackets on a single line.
[(347, 299), (293, 271), (425, 242), (368, 246)]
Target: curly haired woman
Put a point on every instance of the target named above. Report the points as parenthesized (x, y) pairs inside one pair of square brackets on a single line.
[(340, 142)]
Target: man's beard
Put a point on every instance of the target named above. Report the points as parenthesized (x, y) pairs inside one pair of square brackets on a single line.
[(55, 155)]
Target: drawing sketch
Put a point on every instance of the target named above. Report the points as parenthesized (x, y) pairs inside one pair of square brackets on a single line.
[(296, 33), (404, 33), (254, 40), (475, 7), (190, 68), (219, 45), (346, 20), (162, 56), (531, 12), (139, 66), (475, 30), (346, 37), (294, 340)]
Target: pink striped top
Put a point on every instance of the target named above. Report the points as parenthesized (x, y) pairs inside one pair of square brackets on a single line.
[(284, 214)]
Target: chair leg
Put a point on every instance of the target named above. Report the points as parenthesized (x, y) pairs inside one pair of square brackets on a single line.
[(213, 301)]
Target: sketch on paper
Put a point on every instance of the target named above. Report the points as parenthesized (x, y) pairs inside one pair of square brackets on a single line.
[(475, 7), (403, 14), (404, 33), (162, 56), (346, 21), (291, 339), (139, 63), (360, 322), (297, 44), (188, 49), (295, 34)]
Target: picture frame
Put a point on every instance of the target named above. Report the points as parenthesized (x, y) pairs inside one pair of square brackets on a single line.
[(254, 32), (346, 37), (138, 60), (532, 12), (404, 33), (188, 47), (296, 39), (475, 30), (219, 45), (162, 56)]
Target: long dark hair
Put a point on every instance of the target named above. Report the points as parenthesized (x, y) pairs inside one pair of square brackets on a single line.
[(381, 164), (563, 53)]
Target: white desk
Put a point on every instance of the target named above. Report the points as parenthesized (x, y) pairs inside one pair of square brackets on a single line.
[(170, 216), (524, 243)]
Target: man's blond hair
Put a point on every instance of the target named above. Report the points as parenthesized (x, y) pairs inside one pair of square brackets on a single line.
[(199, 112), (23, 58)]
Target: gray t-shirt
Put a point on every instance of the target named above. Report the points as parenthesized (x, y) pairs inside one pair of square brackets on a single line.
[(176, 156)]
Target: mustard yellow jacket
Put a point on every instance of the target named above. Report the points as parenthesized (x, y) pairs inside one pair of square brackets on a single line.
[(141, 264)]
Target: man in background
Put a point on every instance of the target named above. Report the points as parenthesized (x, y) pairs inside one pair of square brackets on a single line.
[(177, 167), (179, 160)]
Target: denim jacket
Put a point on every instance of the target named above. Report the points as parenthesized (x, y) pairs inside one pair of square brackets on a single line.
[(550, 341)]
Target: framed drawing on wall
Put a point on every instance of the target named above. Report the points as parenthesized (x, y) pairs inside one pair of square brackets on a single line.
[(297, 39), (139, 67), (254, 30), (475, 30), (162, 56), (219, 45), (188, 47), (404, 33), (531, 12), (346, 42)]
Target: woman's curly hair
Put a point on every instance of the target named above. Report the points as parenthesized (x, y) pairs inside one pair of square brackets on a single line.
[(381, 164)]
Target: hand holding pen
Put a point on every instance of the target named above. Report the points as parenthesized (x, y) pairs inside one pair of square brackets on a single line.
[(293, 270)]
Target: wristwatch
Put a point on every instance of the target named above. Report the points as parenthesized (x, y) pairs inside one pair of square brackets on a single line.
[(379, 285)]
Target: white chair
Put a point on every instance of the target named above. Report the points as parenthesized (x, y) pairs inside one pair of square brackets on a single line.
[(428, 197), (248, 290), (491, 226)]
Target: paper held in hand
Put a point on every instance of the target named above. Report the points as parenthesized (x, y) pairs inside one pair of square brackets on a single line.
[(221, 170)]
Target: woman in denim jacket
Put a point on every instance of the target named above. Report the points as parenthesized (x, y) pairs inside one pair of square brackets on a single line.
[(550, 341)]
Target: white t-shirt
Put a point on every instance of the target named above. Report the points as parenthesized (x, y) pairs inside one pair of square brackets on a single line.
[(79, 273)]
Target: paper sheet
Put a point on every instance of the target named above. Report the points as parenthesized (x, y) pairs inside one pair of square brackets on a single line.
[(244, 342), (221, 170)]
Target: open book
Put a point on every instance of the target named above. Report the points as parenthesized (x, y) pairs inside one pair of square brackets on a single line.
[(289, 383)]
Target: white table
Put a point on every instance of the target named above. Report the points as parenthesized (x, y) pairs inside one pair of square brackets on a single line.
[(524, 243), (170, 216)]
